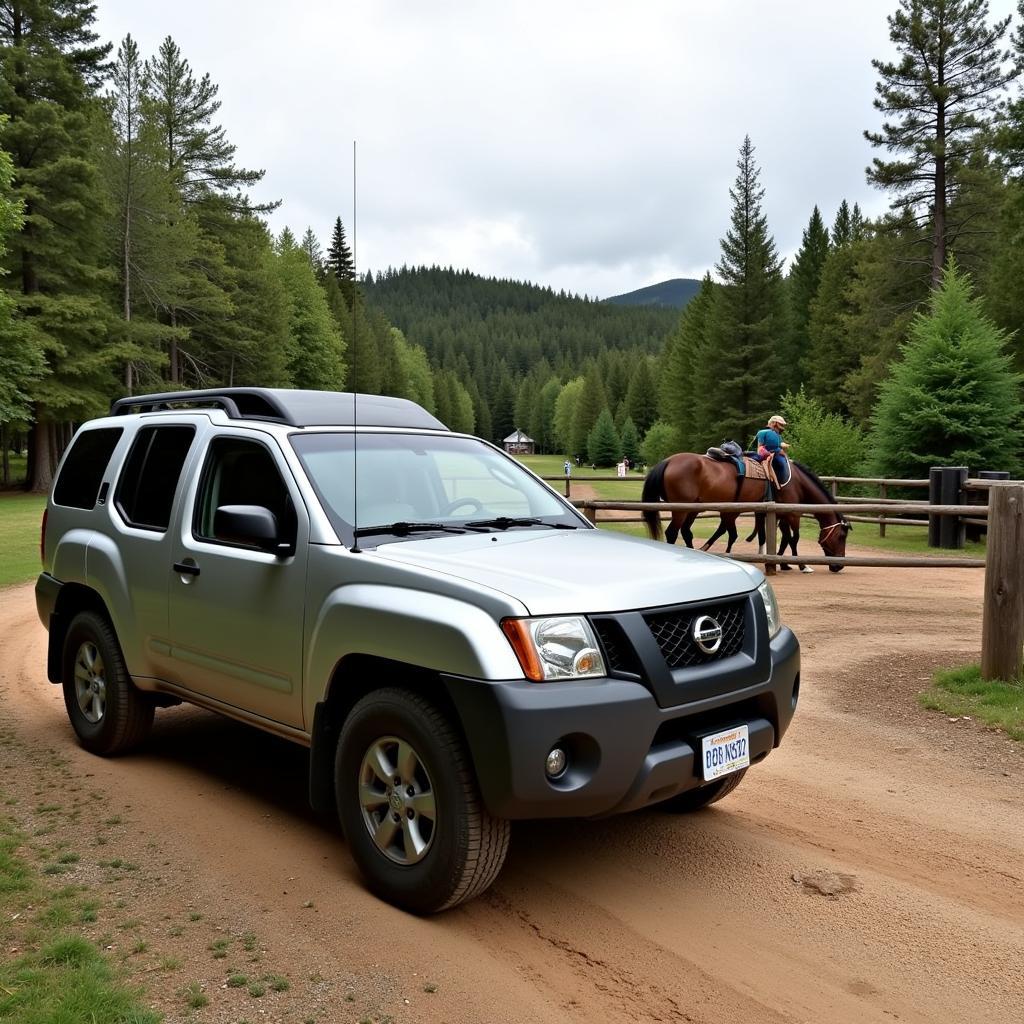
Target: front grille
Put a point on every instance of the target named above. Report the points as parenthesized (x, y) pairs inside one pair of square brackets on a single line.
[(674, 633)]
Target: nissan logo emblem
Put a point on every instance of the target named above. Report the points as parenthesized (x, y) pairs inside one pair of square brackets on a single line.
[(707, 634)]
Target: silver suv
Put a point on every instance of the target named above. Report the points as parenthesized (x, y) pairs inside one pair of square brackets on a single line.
[(454, 643)]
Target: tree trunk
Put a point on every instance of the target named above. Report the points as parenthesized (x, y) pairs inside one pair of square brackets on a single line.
[(41, 455), (939, 197), (6, 456), (175, 368)]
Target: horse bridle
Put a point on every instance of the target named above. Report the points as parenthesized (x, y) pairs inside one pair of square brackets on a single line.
[(826, 530)]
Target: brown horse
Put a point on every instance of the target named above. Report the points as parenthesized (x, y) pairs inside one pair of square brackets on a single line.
[(689, 477)]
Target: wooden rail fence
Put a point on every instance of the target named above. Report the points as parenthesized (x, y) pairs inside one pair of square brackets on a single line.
[(1003, 516)]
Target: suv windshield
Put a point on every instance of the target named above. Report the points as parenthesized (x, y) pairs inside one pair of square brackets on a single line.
[(418, 481)]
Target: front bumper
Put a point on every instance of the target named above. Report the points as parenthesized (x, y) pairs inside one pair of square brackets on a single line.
[(625, 751)]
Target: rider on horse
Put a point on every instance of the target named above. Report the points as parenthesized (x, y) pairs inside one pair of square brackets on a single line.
[(769, 445)]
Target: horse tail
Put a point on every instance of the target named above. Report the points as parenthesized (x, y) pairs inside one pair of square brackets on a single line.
[(654, 491)]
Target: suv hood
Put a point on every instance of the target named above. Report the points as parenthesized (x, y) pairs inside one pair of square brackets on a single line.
[(556, 572)]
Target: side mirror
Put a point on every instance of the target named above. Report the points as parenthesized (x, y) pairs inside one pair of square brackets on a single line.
[(252, 525)]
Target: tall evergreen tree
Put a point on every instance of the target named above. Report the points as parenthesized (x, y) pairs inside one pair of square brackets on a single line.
[(565, 414), (804, 280), (503, 410), (311, 247), (146, 235), (50, 67), (748, 321), (591, 401), (195, 150), (687, 372), (938, 98), (953, 399), (340, 262), (604, 448), (316, 346), (642, 396), (21, 361)]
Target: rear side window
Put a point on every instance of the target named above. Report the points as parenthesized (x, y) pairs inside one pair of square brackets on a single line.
[(79, 482), (145, 492)]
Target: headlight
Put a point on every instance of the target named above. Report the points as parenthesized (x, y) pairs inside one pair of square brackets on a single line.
[(555, 648), (771, 608)]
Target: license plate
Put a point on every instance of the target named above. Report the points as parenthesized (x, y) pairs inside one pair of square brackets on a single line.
[(725, 752)]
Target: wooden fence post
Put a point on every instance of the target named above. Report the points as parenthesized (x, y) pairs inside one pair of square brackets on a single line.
[(590, 513), (770, 540), (883, 493), (1002, 630), (567, 494)]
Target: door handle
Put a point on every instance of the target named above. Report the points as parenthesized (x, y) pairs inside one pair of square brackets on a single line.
[(186, 568)]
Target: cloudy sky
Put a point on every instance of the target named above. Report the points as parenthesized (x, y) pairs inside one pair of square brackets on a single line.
[(583, 145)]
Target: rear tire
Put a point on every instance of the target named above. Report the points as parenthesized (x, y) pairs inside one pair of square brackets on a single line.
[(410, 806), (107, 712), (695, 799)]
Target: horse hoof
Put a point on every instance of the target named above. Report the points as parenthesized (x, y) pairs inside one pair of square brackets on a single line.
[(806, 568)]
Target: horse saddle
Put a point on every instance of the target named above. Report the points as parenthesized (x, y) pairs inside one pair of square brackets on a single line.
[(730, 451)]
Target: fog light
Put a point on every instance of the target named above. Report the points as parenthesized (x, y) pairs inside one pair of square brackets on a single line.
[(555, 763)]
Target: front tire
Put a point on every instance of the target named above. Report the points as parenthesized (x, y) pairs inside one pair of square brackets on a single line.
[(410, 807), (107, 712), (703, 796)]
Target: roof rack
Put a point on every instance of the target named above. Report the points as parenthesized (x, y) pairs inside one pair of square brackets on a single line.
[(238, 403), (296, 408)]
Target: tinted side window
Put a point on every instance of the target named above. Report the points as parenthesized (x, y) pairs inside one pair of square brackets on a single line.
[(149, 479), (240, 472), (83, 469)]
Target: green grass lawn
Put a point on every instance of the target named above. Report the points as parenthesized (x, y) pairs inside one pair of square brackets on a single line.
[(20, 515), (962, 692)]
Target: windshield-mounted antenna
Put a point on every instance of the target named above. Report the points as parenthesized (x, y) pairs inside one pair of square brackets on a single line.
[(355, 549)]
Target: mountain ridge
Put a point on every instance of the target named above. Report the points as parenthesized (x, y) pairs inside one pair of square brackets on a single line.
[(674, 293)]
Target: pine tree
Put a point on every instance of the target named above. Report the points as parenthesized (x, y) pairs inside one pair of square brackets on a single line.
[(630, 441), (21, 361), (642, 396), (687, 372), (145, 236), (604, 448), (804, 280), (591, 401), (50, 67), (315, 344), (311, 247), (340, 262), (938, 97), (953, 398), (565, 415), (195, 150), (748, 320), (503, 410)]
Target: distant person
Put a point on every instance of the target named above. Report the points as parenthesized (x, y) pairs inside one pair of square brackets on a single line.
[(568, 468)]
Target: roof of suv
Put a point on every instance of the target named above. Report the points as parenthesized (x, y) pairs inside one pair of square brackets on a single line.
[(292, 407)]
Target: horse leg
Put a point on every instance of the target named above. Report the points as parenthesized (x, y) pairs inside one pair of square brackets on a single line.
[(758, 530), (718, 533), (787, 542), (796, 538), (688, 529), (733, 533), (672, 531)]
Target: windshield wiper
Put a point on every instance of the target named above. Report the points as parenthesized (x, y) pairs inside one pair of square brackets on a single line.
[(401, 529), (504, 522)]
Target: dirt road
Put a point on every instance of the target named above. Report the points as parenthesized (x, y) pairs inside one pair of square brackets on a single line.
[(871, 870)]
